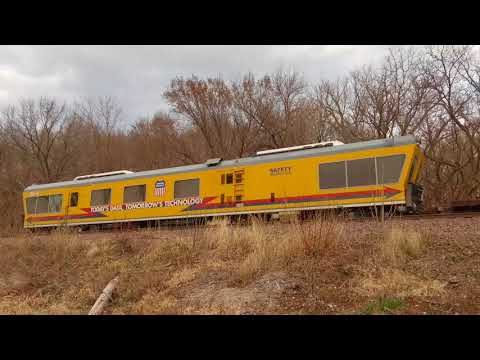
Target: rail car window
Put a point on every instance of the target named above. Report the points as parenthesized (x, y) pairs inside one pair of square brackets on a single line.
[(229, 178), (100, 197), (31, 204), (74, 199), (332, 175), (223, 179), (389, 168), (361, 172), (186, 188), (55, 203), (42, 205), (134, 193)]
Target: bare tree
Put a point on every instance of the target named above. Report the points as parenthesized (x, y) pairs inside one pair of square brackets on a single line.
[(153, 143), (102, 117), (452, 74), (273, 107), (449, 72), (395, 99), (255, 102), (36, 129), (207, 104), (340, 111)]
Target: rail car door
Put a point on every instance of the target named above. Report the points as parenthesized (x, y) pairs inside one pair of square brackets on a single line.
[(67, 207), (71, 202), (233, 190)]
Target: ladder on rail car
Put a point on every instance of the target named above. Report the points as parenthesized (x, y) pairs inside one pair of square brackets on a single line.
[(238, 185)]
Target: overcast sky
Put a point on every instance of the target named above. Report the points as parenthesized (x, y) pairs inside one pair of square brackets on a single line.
[(136, 76)]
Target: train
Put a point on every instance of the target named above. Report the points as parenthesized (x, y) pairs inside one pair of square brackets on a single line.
[(303, 179)]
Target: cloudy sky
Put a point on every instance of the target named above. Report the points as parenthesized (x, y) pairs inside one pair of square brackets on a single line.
[(136, 76)]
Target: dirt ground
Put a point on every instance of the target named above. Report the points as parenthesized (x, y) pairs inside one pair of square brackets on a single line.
[(402, 267), (452, 259)]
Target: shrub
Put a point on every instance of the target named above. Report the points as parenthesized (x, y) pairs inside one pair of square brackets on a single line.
[(382, 306), (320, 235), (399, 245), (396, 283)]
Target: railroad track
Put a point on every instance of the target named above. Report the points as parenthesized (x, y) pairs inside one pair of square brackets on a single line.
[(388, 218), (439, 216), (447, 215), (444, 215)]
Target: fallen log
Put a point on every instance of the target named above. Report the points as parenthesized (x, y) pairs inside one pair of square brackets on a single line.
[(104, 297)]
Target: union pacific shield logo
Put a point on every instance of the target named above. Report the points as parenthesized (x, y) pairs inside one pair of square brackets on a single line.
[(160, 188)]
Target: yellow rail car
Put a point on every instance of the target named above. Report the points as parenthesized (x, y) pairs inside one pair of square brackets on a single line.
[(316, 176)]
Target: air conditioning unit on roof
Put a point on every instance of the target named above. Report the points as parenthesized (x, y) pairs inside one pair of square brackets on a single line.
[(111, 173), (301, 147)]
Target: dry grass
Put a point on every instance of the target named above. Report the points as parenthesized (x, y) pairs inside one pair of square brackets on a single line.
[(383, 275), (229, 242), (320, 235), (69, 271), (399, 245), (263, 254), (397, 283), (151, 303), (220, 268), (296, 242), (182, 277)]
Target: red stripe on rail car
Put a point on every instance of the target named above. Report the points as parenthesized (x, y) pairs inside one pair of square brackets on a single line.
[(87, 215), (386, 192)]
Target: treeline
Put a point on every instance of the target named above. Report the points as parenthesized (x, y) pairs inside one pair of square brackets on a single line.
[(431, 92)]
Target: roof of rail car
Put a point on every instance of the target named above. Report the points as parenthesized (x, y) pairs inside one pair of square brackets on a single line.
[(364, 145)]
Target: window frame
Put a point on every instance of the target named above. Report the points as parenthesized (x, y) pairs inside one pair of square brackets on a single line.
[(377, 177), (197, 180), (96, 190), (399, 173), (36, 204), (76, 199), (344, 173), (49, 202), (51, 199), (144, 186), (34, 198), (372, 159)]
